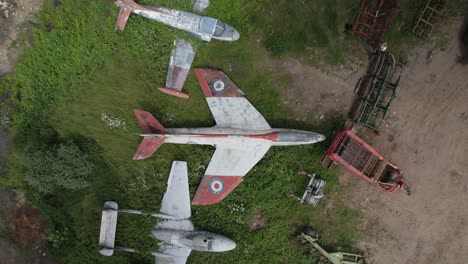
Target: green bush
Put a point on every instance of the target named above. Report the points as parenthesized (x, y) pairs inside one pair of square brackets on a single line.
[(64, 166)]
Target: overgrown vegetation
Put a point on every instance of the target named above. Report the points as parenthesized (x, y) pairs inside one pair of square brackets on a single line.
[(59, 167), (81, 75)]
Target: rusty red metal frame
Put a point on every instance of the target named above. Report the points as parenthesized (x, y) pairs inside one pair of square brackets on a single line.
[(373, 19), (361, 159)]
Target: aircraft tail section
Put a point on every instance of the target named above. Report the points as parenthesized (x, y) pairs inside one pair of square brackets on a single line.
[(126, 8), (149, 124), (148, 146), (150, 143)]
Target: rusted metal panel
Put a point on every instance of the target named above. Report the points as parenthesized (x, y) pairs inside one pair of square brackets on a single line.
[(429, 16), (361, 159), (373, 19)]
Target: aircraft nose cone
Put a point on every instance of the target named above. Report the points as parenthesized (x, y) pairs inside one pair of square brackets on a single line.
[(316, 137), (224, 244), (320, 137), (235, 35)]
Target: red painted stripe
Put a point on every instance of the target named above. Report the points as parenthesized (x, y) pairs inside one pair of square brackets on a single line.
[(206, 193), (270, 136), (203, 82)]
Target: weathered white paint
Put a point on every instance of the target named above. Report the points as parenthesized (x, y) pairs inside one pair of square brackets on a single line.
[(237, 159), (176, 200), (179, 64), (236, 112)]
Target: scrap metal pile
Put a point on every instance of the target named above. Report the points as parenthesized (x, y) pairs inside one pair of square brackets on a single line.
[(373, 19)]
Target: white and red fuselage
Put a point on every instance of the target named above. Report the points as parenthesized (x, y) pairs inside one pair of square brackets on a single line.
[(241, 136), (214, 136)]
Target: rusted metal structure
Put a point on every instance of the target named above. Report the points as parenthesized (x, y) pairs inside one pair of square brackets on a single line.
[(373, 19), (428, 18), (376, 91), (363, 160)]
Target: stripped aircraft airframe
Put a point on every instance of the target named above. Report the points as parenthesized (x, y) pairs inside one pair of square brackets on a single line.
[(241, 135)]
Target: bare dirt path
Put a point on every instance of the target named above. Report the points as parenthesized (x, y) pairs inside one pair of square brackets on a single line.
[(427, 138)]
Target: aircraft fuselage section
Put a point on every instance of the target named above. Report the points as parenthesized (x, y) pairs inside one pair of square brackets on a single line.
[(195, 240), (214, 136), (203, 27)]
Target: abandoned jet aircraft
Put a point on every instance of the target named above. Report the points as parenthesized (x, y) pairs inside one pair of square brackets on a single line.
[(202, 27), (174, 230), (241, 136)]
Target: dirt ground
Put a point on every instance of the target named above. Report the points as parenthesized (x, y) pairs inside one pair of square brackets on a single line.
[(23, 230), (317, 94), (427, 137), (16, 17)]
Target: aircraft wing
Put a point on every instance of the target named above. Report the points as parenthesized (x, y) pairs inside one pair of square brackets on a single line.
[(179, 66), (176, 200), (230, 163), (227, 102), (175, 255)]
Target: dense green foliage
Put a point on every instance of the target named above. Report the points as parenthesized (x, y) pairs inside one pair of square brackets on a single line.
[(80, 73), (64, 166)]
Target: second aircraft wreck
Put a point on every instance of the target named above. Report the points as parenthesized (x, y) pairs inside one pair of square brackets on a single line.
[(201, 27), (174, 230), (241, 135)]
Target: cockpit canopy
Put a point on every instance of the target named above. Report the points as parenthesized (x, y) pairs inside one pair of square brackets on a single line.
[(212, 26), (203, 242)]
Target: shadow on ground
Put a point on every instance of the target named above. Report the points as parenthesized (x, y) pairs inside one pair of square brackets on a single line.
[(463, 37)]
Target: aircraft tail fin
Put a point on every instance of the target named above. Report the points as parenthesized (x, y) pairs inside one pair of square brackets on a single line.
[(149, 124), (126, 8), (148, 146), (123, 18)]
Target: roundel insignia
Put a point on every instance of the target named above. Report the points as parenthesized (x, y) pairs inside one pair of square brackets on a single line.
[(216, 186)]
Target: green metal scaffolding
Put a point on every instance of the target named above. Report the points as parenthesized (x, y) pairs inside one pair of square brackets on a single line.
[(376, 91)]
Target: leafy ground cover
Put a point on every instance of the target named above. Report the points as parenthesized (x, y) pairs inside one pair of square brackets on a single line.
[(80, 80)]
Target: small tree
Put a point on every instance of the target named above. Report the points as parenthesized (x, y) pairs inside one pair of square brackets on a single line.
[(63, 166)]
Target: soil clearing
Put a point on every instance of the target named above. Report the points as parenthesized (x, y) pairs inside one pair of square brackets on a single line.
[(426, 136)]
